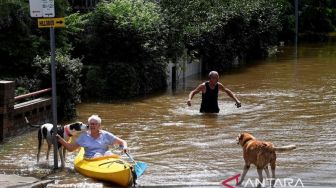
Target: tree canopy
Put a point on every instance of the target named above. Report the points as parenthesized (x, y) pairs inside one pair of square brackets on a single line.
[(120, 49)]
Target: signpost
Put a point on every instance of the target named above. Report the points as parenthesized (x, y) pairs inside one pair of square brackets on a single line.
[(42, 8), (35, 8), (50, 22), (46, 9), (54, 96)]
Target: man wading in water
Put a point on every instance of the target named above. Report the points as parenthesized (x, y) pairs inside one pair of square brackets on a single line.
[(209, 91)]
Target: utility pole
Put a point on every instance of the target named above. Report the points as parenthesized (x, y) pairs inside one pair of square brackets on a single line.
[(54, 95), (296, 26)]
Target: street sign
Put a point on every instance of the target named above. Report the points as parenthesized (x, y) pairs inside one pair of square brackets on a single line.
[(42, 8), (50, 22), (35, 8), (48, 8)]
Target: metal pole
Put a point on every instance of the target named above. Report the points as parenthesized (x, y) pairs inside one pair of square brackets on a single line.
[(296, 25), (54, 99)]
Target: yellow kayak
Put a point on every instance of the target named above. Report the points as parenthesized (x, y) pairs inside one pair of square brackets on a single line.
[(107, 168)]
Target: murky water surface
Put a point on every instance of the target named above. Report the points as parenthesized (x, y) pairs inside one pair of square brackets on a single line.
[(284, 100)]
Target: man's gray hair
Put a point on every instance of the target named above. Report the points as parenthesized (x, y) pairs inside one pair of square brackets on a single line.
[(94, 117), (213, 73)]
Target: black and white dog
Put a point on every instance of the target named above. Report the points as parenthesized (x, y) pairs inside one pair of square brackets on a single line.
[(46, 132)]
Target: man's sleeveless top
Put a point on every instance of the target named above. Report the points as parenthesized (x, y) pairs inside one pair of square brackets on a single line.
[(210, 99)]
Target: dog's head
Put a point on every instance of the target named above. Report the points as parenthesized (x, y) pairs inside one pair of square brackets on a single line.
[(77, 126), (243, 138)]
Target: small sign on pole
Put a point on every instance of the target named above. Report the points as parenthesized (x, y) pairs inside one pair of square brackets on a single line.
[(48, 8), (35, 7), (42, 8), (50, 22)]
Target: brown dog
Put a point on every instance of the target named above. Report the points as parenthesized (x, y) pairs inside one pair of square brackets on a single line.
[(260, 154)]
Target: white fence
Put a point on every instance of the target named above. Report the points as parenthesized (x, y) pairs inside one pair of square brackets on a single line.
[(184, 68)]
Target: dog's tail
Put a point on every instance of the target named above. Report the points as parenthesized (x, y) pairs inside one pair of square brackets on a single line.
[(285, 148), (35, 126), (40, 139)]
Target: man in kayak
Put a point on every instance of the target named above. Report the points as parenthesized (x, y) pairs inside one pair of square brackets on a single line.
[(209, 91), (95, 141)]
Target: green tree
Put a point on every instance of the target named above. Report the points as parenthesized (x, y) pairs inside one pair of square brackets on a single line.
[(185, 22), (68, 71), (316, 19), (20, 40), (117, 35)]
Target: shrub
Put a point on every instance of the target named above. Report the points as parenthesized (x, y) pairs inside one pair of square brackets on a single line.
[(243, 29), (119, 80), (68, 73), (119, 41)]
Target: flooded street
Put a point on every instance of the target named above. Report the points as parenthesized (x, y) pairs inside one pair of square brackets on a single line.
[(284, 100)]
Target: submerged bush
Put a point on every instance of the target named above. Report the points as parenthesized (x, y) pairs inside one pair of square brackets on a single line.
[(68, 73), (244, 29)]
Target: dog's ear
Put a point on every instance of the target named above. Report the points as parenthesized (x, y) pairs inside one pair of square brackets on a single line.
[(240, 136)]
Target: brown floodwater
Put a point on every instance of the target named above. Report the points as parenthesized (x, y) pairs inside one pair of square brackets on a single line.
[(284, 100)]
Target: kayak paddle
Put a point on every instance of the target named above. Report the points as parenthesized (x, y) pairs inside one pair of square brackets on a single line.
[(139, 166)]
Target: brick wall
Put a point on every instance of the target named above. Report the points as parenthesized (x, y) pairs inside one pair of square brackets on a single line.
[(12, 116), (6, 107)]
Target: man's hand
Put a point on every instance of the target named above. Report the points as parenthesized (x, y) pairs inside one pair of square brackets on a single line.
[(238, 104), (189, 102)]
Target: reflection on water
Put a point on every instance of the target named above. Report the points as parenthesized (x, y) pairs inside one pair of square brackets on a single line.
[(285, 101)]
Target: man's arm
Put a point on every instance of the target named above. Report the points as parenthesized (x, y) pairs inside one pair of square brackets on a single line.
[(199, 88), (230, 93)]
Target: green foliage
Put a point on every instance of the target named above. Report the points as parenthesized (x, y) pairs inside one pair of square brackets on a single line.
[(75, 24), (127, 83), (20, 38), (119, 36), (119, 80), (94, 81), (120, 31), (20, 91), (262, 24), (68, 73), (72, 34), (25, 85), (185, 21), (287, 21), (332, 16), (20, 41), (135, 14), (316, 19), (242, 29), (125, 45)]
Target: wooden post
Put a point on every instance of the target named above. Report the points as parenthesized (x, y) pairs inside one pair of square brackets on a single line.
[(7, 92)]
